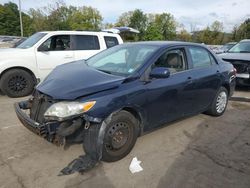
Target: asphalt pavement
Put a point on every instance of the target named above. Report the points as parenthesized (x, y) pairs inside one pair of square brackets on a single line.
[(200, 151)]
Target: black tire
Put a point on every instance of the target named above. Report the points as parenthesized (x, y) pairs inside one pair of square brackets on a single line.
[(214, 110), (90, 142), (119, 137), (17, 83)]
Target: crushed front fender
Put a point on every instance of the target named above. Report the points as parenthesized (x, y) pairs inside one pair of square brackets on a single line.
[(85, 129), (93, 144)]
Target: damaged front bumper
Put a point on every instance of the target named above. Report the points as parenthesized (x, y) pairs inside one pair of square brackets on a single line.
[(243, 79), (33, 126), (66, 133), (54, 131)]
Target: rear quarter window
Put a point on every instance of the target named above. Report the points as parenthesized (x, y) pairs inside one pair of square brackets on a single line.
[(110, 41)]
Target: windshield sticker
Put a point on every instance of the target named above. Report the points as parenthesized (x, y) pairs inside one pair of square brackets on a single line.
[(130, 70)]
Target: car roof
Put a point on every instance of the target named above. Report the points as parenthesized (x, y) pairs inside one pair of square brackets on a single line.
[(245, 40), (167, 43), (80, 33), (231, 43)]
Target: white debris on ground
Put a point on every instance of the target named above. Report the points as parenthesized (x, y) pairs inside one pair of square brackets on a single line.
[(135, 166)]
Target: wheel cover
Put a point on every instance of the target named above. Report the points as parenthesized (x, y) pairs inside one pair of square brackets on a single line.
[(17, 83), (221, 102), (117, 136)]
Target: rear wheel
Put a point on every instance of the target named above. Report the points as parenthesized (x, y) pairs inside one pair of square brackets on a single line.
[(219, 104), (17, 83)]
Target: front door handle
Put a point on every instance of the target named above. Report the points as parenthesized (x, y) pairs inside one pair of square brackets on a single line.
[(189, 80), (68, 56)]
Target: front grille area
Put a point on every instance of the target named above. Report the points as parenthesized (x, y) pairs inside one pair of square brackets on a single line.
[(241, 66), (39, 106)]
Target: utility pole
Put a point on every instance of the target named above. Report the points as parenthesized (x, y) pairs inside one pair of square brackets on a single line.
[(20, 15)]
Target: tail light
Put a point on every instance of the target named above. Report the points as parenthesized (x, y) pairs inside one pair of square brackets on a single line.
[(232, 74), (234, 71)]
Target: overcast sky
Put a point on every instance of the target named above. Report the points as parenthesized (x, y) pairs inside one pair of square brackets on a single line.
[(198, 13)]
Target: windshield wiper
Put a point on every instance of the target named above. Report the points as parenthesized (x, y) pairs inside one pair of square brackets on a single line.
[(108, 72), (238, 51), (244, 51)]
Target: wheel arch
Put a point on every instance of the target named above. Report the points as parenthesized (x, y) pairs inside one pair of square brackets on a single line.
[(21, 68), (137, 115), (227, 86)]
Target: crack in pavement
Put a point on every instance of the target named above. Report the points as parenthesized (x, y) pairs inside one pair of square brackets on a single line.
[(218, 162), (234, 164), (19, 178), (238, 136)]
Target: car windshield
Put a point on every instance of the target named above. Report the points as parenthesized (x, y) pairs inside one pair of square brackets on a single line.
[(227, 46), (241, 47), (31, 41), (122, 59)]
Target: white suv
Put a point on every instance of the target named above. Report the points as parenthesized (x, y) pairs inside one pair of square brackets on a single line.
[(23, 67)]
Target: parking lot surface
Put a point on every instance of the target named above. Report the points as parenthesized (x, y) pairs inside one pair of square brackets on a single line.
[(199, 151)]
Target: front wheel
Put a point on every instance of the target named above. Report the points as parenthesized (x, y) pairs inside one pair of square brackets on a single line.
[(119, 137), (219, 104), (17, 83)]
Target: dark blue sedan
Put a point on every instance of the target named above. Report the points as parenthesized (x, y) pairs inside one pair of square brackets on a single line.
[(119, 94)]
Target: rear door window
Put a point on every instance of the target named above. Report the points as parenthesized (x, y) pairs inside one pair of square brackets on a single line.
[(85, 42), (200, 57), (110, 41)]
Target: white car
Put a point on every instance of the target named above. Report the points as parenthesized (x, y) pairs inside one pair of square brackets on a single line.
[(21, 68)]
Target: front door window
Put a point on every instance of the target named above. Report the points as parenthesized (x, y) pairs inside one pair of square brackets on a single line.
[(57, 43), (174, 60)]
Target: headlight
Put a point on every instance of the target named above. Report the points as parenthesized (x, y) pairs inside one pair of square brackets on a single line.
[(63, 110)]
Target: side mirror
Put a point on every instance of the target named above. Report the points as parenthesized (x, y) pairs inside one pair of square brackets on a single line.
[(42, 48), (160, 72)]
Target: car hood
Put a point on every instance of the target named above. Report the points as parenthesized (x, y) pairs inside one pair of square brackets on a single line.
[(73, 80), (10, 50), (9, 53), (235, 56)]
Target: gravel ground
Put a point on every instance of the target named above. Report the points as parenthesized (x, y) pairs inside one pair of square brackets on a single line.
[(200, 151)]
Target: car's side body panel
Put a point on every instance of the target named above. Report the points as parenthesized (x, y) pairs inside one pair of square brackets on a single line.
[(163, 100)]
